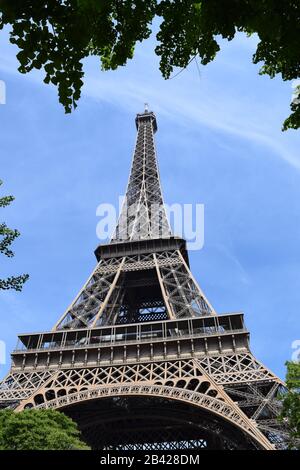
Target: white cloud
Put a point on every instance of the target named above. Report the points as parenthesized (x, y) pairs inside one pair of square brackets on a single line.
[(228, 96), (221, 98)]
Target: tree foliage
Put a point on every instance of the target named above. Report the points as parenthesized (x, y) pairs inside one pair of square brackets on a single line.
[(7, 236), (38, 430), (57, 35), (291, 404)]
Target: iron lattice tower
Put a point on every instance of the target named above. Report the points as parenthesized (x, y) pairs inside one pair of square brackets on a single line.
[(140, 359)]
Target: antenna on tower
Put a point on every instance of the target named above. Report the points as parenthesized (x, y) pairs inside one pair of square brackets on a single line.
[(146, 108)]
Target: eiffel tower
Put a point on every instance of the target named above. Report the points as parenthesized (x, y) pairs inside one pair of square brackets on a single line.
[(140, 359)]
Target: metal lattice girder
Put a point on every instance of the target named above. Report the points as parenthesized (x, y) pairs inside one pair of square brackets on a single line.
[(180, 380), (184, 297), (169, 373), (258, 399), (143, 214), (18, 386), (164, 445), (237, 368), (93, 298), (102, 299)]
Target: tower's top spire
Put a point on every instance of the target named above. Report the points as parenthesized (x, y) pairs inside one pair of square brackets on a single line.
[(143, 214), (146, 116)]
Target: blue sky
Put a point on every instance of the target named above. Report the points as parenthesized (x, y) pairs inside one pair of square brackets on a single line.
[(219, 143)]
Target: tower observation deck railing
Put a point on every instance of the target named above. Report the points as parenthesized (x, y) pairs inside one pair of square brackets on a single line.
[(226, 324)]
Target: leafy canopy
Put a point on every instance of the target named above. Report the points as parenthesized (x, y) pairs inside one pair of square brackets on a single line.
[(7, 236), (38, 430), (291, 403), (57, 35)]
